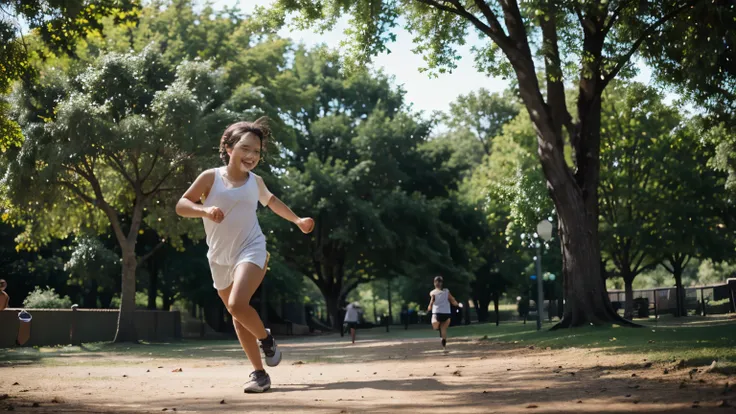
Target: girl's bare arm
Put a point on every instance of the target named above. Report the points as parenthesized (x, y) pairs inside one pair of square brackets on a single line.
[(452, 299), (188, 205), (306, 225)]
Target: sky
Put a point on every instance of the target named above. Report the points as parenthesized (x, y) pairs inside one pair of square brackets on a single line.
[(425, 93)]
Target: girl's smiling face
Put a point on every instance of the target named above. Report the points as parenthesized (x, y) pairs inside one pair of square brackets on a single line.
[(246, 153)]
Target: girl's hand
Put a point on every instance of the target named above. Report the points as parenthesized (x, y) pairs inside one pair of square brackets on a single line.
[(215, 214), (306, 225)]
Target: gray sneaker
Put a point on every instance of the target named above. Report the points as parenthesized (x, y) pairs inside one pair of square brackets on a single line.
[(259, 382), (270, 350)]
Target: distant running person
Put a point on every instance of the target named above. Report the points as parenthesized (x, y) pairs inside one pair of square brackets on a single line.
[(439, 305), (226, 199), (352, 317)]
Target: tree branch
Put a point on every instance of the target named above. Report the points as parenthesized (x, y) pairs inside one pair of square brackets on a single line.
[(648, 31), (494, 32), (100, 202), (134, 161), (579, 13), (137, 218), (490, 17), (79, 193), (348, 288), (118, 166), (515, 25), (148, 255), (158, 185), (150, 170), (614, 16), (166, 176), (555, 86)]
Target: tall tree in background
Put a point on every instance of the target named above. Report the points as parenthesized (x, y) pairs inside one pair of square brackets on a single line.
[(660, 202), (482, 114), (700, 219), (111, 144), (57, 24), (593, 42), (636, 128), (358, 167)]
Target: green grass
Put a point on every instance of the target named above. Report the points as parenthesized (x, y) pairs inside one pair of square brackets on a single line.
[(698, 341)]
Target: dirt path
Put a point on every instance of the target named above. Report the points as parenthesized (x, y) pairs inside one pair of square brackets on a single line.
[(328, 375)]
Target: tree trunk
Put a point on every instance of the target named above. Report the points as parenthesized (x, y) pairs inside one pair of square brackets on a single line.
[(333, 310), (495, 309), (167, 302), (679, 293), (481, 308), (575, 194), (560, 307), (586, 298), (90, 297), (152, 286), (576, 202), (629, 298), (390, 312), (126, 317)]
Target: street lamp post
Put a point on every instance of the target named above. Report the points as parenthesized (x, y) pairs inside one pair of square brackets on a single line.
[(544, 230)]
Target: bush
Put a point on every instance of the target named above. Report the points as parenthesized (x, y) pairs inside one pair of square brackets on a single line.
[(722, 306), (718, 302), (46, 299), (141, 301)]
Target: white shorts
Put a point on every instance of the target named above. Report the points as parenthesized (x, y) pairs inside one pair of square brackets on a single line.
[(224, 275)]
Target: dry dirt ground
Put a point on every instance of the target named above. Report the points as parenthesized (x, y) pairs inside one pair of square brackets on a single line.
[(379, 374)]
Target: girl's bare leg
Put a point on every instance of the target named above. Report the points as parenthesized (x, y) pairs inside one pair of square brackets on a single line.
[(247, 340)]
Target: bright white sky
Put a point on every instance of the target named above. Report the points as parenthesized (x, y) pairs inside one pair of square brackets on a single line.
[(424, 93)]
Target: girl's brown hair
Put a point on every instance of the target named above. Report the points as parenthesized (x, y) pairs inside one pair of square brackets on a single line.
[(236, 131)]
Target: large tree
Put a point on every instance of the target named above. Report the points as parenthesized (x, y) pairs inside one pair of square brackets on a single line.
[(660, 202), (593, 42), (358, 168), (700, 223), (636, 137), (109, 145)]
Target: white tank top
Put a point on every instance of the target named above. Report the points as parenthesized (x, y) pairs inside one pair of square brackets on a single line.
[(441, 301), (351, 314), (239, 230)]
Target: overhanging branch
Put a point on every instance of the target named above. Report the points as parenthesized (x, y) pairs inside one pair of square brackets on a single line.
[(623, 61), (495, 32), (148, 255), (614, 16), (78, 192), (490, 17), (555, 86)]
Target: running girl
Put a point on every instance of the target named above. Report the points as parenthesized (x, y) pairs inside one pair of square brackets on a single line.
[(226, 199), (439, 305)]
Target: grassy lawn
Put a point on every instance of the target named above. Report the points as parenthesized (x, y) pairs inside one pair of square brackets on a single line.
[(698, 341)]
